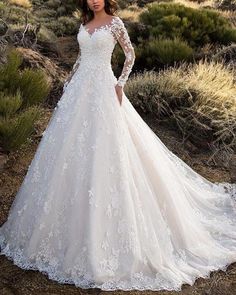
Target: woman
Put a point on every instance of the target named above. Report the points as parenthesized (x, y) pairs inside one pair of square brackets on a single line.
[(105, 203)]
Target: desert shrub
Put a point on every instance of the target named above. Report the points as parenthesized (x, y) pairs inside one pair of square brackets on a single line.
[(197, 99), (225, 4), (195, 26), (53, 3), (130, 13), (9, 104), (63, 26), (124, 3), (32, 83), (45, 13), (166, 51), (23, 3), (21, 95), (143, 3), (16, 15), (70, 5), (16, 130), (9, 71), (227, 54), (65, 7), (61, 10), (46, 35)]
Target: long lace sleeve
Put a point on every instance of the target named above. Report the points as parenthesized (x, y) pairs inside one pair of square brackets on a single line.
[(123, 38)]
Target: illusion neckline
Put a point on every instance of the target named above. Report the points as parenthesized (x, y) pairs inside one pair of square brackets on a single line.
[(99, 27)]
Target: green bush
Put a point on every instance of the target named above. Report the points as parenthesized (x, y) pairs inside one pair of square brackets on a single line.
[(16, 130), (21, 93), (9, 104), (68, 7), (31, 83), (53, 3), (45, 13), (15, 15), (64, 26), (46, 35), (55, 15), (61, 10), (166, 51), (196, 26), (9, 72), (143, 3)]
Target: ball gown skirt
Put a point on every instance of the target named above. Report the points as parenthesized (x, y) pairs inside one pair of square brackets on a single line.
[(105, 204)]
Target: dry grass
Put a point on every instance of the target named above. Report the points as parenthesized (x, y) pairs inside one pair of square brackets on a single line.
[(22, 3), (199, 98), (131, 13), (77, 13), (195, 4), (215, 104), (230, 15)]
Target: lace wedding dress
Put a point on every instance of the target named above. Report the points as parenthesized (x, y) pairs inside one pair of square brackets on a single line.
[(104, 202)]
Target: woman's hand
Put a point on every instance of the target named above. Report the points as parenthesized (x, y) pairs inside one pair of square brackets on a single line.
[(119, 92)]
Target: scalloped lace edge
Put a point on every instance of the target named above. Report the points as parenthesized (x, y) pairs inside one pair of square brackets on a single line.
[(22, 262)]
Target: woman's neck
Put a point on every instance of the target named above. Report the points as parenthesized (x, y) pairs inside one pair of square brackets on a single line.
[(99, 15)]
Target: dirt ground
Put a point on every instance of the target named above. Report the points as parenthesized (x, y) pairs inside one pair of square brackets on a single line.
[(14, 280)]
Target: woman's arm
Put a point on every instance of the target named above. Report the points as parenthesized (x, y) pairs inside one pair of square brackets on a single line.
[(123, 38)]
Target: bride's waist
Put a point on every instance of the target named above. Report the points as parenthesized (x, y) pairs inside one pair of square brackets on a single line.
[(95, 71), (95, 65)]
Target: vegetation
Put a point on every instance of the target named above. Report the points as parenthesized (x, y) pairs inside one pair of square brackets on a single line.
[(195, 26), (197, 99), (51, 15), (194, 96), (180, 30), (226, 4), (23, 3), (21, 93), (165, 51)]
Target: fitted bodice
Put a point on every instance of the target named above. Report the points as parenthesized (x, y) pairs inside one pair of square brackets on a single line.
[(96, 48)]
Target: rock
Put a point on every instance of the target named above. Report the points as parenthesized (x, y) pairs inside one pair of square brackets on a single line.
[(56, 76)]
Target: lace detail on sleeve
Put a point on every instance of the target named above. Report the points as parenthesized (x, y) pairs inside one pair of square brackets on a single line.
[(122, 37)]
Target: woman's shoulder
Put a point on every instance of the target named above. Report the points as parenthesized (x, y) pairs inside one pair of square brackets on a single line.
[(117, 22), (116, 19)]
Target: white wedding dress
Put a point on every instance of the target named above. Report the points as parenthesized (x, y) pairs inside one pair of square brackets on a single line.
[(105, 203)]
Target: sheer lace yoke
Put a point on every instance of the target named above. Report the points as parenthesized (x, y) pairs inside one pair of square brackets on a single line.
[(105, 25)]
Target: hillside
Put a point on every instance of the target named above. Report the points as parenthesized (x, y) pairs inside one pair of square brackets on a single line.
[(44, 33)]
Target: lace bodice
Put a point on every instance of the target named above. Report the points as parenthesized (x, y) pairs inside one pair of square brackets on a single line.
[(96, 48)]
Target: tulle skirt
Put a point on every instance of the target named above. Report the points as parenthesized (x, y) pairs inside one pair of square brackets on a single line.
[(106, 204)]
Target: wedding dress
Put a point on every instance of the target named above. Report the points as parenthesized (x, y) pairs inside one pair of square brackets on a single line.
[(104, 202)]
